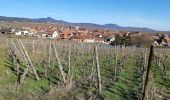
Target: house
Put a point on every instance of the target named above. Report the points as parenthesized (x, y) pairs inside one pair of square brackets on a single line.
[(109, 38), (41, 35), (52, 34), (66, 34), (97, 36), (160, 40), (100, 36), (77, 28), (82, 30), (99, 40), (5, 31), (155, 43), (166, 36), (168, 42), (32, 31), (163, 43), (78, 37), (89, 40), (22, 32)]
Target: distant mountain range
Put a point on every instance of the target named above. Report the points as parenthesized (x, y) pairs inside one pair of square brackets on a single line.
[(86, 25)]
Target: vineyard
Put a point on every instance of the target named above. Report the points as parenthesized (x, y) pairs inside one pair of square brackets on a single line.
[(48, 69)]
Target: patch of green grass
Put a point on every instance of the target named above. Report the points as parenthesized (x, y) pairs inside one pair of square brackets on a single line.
[(128, 83), (6, 76), (2, 60), (33, 86)]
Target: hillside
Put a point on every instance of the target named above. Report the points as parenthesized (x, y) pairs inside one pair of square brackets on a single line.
[(87, 25)]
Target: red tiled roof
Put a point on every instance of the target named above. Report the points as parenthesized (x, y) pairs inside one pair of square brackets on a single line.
[(50, 32)]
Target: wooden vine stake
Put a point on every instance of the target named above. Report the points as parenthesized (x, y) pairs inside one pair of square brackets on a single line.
[(98, 69), (16, 59), (69, 60), (26, 69), (33, 46), (29, 62), (59, 63), (148, 72), (49, 56), (115, 70)]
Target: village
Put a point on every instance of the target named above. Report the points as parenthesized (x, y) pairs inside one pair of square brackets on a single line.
[(84, 50), (81, 34)]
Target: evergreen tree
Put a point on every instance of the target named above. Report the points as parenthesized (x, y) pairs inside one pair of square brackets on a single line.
[(122, 40)]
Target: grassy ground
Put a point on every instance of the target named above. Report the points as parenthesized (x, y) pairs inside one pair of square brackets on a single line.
[(6, 78), (2, 64), (127, 86), (2, 69)]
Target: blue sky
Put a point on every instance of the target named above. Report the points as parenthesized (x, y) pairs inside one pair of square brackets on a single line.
[(140, 13)]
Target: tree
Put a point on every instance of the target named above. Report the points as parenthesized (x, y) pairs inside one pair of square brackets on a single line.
[(125, 40)]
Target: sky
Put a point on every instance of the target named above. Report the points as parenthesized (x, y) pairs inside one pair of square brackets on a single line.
[(153, 14)]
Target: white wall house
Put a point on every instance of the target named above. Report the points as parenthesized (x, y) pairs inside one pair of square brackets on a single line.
[(40, 35), (89, 40), (155, 43), (163, 43), (53, 35), (113, 38), (31, 33), (22, 32), (12, 30), (44, 35)]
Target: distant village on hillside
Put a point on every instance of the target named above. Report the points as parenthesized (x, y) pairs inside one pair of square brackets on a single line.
[(77, 33)]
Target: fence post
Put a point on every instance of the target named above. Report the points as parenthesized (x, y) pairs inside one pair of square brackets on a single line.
[(148, 71)]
